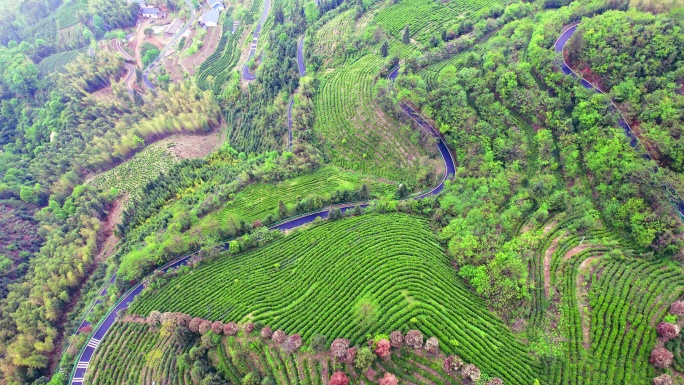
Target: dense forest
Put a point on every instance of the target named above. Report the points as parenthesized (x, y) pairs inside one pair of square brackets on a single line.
[(558, 233)]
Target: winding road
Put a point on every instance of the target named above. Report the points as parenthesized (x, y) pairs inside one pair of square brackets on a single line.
[(248, 76), (302, 73), (634, 141), (79, 372)]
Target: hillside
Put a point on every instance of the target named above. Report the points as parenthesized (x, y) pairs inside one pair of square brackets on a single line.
[(341, 192)]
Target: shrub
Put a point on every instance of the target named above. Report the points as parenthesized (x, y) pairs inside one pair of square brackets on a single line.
[(382, 348), (266, 332), (339, 378), (667, 330), (217, 327), (396, 339), (663, 379), (452, 364), (319, 342), (249, 328), (432, 345), (414, 339), (279, 336), (207, 341), (677, 308), (182, 335), (350, 355), (230, 329), (154, 318), (194, 324), (339, 347), (184, 319), (294, 342), (364, 359), (471, 373), (204, 326), (661, 358), (251, 378), (389, 379)]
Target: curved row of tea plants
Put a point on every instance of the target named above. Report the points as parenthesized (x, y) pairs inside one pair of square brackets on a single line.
[(56, 62), (131, 177), (347, 279), (257, 201), (220, 64), (132, 354), (608, 327), (426, 17)]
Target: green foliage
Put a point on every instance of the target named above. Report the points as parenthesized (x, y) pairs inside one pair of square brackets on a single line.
[(345, 111), (149, 54), (364, 359), (647, 93), (229, 362), (409, 261), (58, 61)]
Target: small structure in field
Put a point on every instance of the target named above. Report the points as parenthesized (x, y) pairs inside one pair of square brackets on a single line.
[(210, 18), (152, 13), (174, 28)]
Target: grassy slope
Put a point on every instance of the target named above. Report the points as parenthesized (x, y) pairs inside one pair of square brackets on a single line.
[(359, 276)]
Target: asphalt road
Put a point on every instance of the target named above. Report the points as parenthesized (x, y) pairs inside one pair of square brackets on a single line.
[(255, 39)]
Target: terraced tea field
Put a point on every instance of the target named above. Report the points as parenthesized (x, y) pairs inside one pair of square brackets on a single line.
[(427, 17), (56, 62), (350, 278), (132, 354), (130, 177), (218, 66), (608, 307), (358, 134), (135, 353), (256, 201)]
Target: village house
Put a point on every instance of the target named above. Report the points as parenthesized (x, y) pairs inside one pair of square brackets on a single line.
[(174, 28), (210, 18), (152, 13)]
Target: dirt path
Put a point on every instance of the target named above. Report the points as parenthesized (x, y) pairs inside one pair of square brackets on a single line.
[(576, 250), (107, 235)]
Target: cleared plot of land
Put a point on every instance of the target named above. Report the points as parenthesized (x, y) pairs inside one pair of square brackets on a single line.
[(349, 278), (131, 176)]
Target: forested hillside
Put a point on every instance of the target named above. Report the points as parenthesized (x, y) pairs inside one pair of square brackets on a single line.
[(335, 192)]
